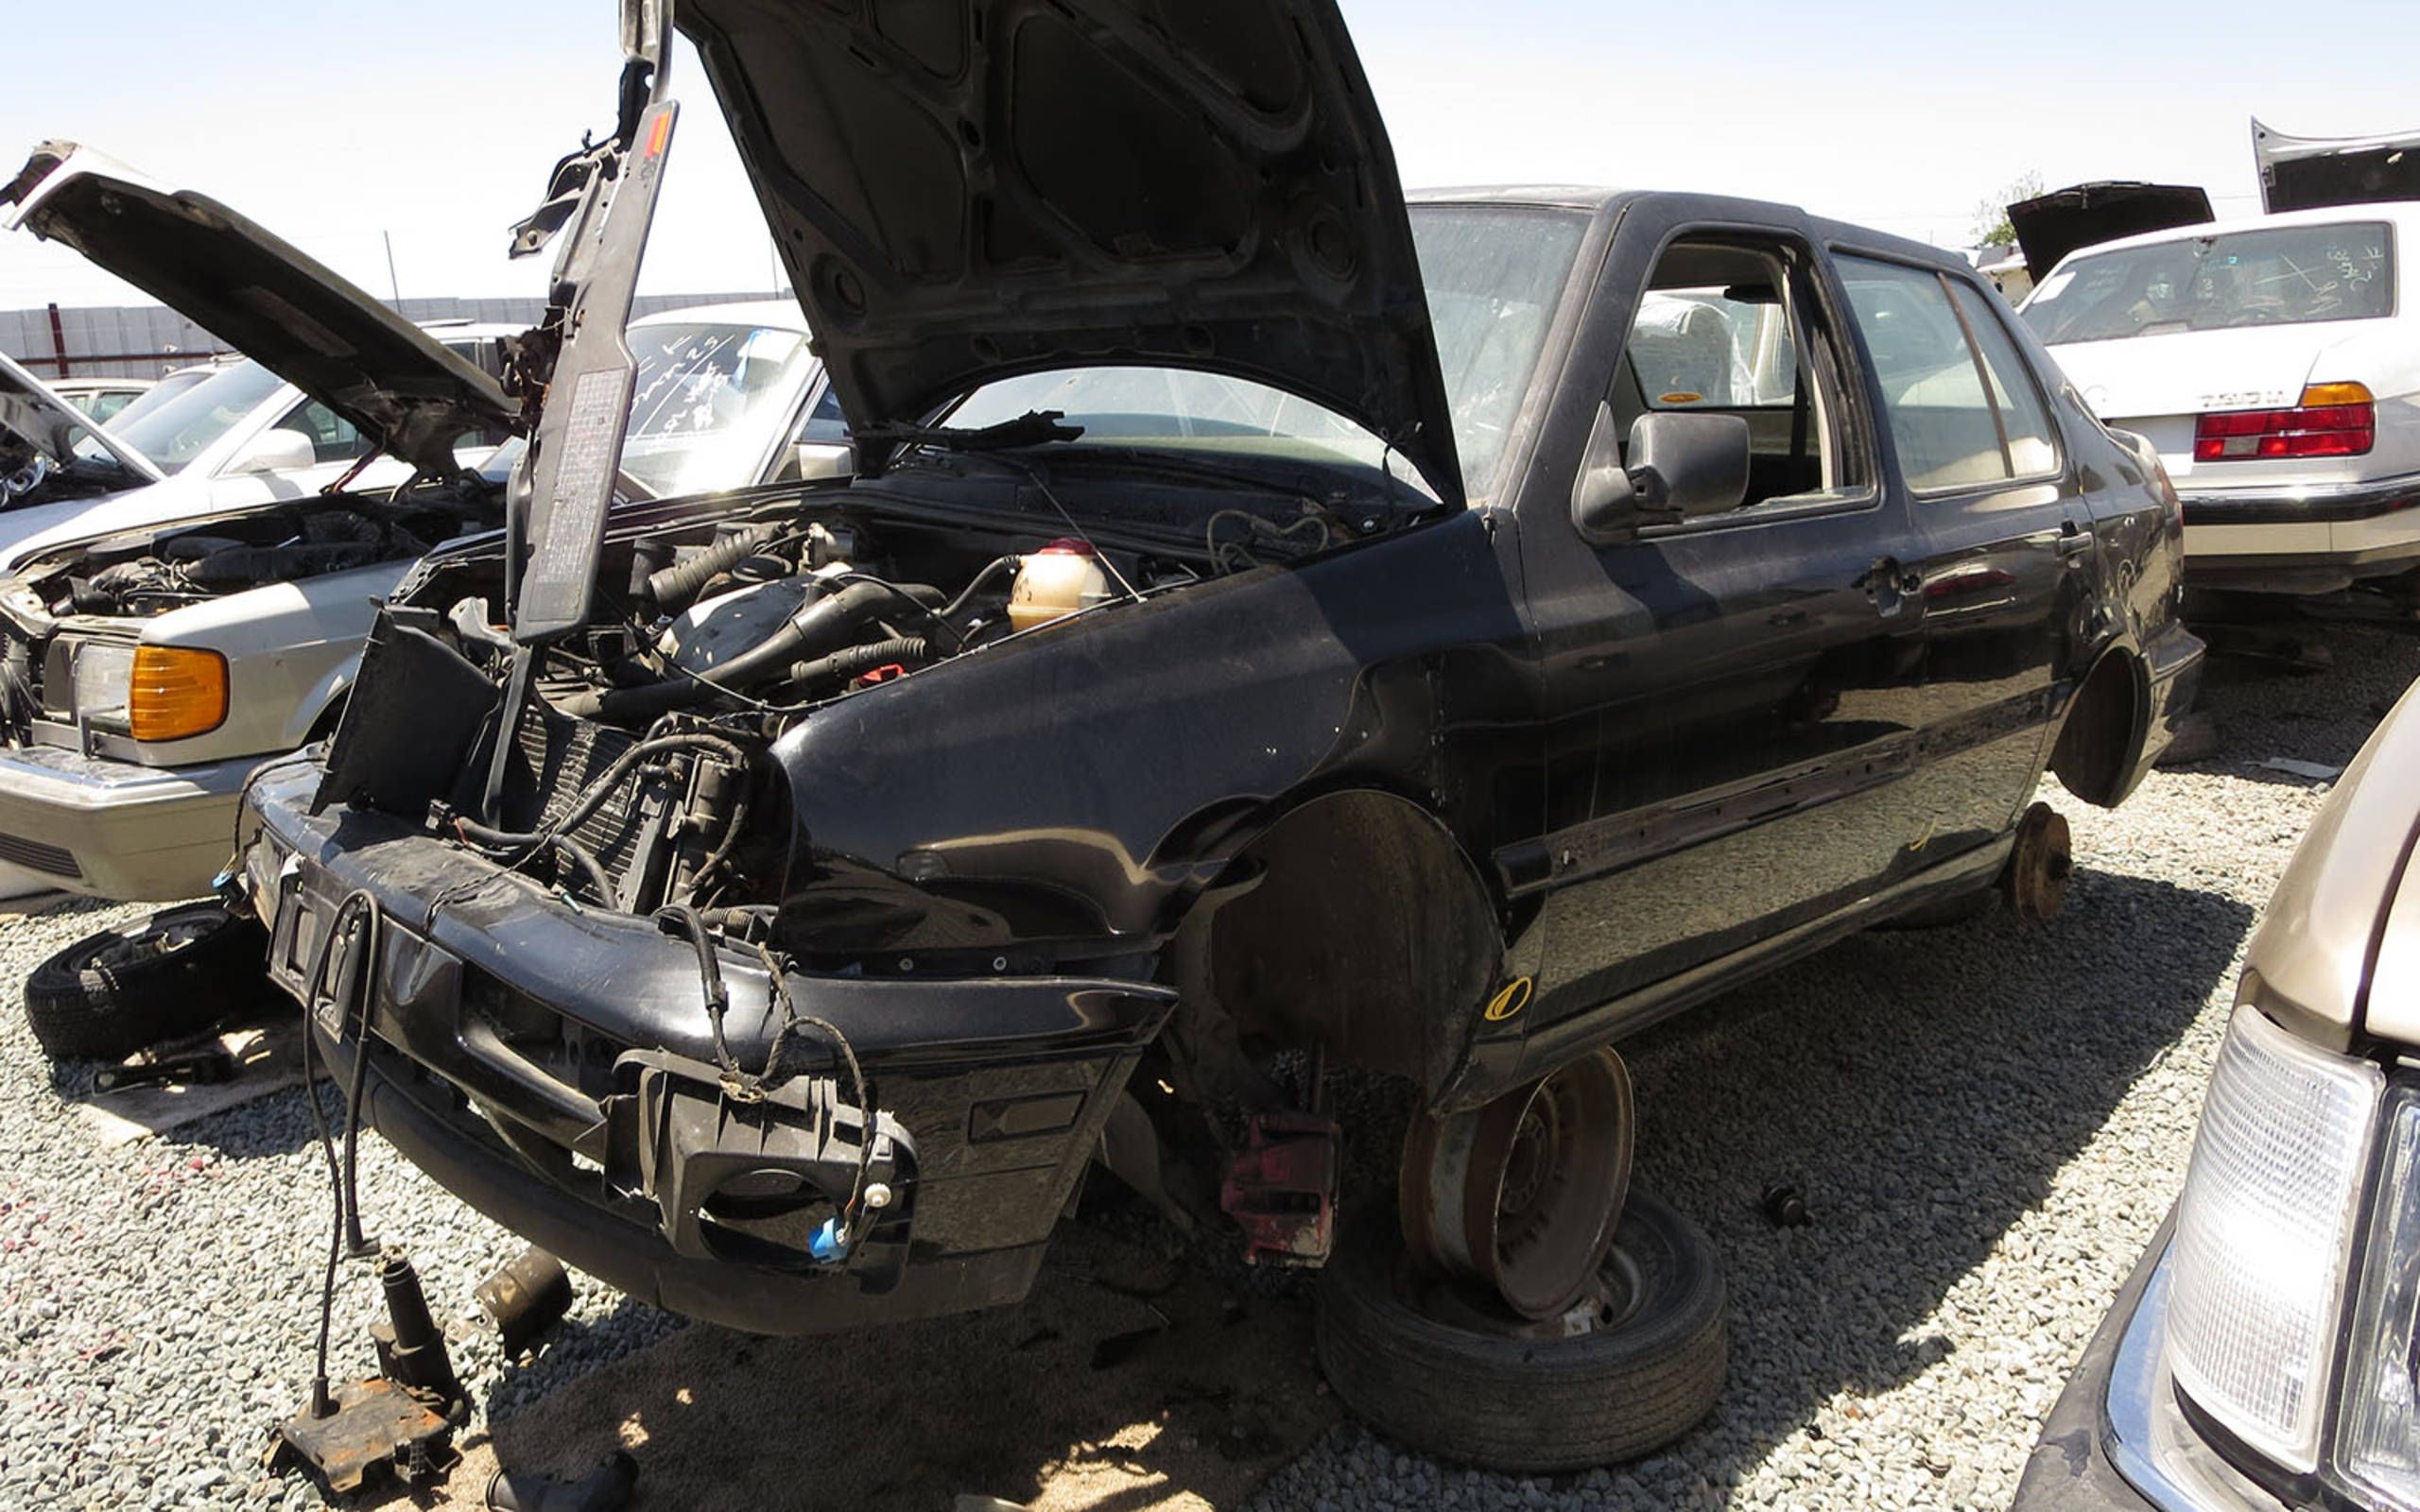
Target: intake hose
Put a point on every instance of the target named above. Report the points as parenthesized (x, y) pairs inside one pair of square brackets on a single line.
[(906, 650), (677, 587), (823, 625)]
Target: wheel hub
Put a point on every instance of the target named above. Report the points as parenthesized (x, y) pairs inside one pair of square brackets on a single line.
[(1523, 1195)]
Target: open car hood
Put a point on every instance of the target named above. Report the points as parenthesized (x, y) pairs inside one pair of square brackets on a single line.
[(2317, 172), (31, 412), (1084, 181), (2050, 226), (262, 296)]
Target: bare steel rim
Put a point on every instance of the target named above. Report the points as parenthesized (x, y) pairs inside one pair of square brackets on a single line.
[(1523, 1194)]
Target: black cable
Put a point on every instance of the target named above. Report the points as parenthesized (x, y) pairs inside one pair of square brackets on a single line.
[(364, 988), (321, 1404)]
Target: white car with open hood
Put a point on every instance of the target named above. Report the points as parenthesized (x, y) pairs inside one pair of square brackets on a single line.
[(2274, 363), (153, 649)]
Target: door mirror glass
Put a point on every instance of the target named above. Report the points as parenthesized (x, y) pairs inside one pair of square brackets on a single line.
[(1676, 467), (276, 450)]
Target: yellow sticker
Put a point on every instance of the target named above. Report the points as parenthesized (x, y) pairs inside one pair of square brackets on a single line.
[(1514, 997)]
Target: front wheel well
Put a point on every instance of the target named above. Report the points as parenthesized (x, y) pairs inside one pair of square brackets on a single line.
[(1366, 930), (2094, 756)]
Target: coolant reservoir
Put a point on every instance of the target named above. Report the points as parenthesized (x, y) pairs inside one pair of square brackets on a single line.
[(1061, 579)]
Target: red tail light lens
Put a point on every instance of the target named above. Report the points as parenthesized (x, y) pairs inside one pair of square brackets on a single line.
[(2333, 420)]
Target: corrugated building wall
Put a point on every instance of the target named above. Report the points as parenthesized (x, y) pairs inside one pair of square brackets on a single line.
[(145, 340)]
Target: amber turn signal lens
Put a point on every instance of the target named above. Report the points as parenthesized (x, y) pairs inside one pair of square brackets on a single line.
[(177, 693), (2320, 396)]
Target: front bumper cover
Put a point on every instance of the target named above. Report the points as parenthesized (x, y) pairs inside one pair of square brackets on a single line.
[(115, 828), (515, 1041)]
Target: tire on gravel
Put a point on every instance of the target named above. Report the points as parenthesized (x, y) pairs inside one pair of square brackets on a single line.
[(178, 973), (1530, 1405)]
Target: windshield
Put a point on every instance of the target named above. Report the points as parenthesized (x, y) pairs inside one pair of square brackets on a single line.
[(174, 430), (2286, 276), (710, 401), (155, 396), (1494, 277)]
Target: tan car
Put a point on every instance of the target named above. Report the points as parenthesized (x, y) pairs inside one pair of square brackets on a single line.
[(2265, 1353)]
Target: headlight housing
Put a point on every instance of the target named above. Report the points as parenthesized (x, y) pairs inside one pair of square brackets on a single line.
[(102, 673), (2264, 1232), (2377, 1445)]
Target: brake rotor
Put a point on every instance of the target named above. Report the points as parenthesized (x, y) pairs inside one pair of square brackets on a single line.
[(2040, 866), (1523, 1194)]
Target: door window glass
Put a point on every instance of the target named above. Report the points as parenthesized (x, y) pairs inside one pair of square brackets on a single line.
[(2031, 452), (1731, 327), (1958, 422)]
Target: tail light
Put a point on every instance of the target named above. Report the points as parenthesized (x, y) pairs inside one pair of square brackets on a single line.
[(2333, 420)]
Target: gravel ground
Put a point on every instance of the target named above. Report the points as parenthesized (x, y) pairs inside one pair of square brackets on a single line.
[(1987, 1122)]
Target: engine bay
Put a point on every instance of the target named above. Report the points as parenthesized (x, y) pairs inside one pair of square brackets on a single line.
[(638, 774), (141, 575)]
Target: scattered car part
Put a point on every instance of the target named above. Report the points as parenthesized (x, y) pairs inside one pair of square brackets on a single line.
[(1280, 1187), (404, 1417), (119, 991), (1629, 1368), (1784, 1208), (1523, 1194), (526, 1296), (2041, 865), (606, 1488), (205, 1068)]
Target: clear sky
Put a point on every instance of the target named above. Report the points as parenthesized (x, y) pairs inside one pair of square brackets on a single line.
[(340, 124)]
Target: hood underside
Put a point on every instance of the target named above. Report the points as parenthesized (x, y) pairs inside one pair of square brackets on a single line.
[(965, 193), (31, 412), (265, 298), (2318, 172), (2050, 226)]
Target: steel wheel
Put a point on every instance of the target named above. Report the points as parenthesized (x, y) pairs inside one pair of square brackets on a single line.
[(1523, 1194)]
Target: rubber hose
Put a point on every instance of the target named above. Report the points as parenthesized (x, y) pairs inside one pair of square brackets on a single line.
[(982, 580), (906, 650), (598, 791), (823, 625), (677, 587)]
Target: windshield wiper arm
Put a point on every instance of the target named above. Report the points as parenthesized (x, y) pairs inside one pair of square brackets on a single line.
[(1033, 429)]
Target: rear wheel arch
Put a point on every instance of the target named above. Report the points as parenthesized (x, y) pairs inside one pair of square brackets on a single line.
[(1354, 920), (2101, 736)]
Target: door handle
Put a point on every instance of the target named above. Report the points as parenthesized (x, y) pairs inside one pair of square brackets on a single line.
[(2075, 542)]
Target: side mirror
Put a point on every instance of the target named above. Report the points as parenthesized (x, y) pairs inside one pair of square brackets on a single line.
[(275, 450), (1681, 466)]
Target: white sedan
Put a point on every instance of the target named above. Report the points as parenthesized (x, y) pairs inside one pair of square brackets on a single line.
[(2274, 362)]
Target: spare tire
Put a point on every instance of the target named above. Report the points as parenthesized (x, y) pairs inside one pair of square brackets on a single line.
[(1444, 1374), (178, 973)]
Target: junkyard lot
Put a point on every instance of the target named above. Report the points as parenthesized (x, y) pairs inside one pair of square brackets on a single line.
[(1987, 1123)]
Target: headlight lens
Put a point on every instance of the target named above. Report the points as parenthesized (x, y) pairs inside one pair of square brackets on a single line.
[(102, 673), (2379, 1441), (2263, 1232), (175, 693)]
